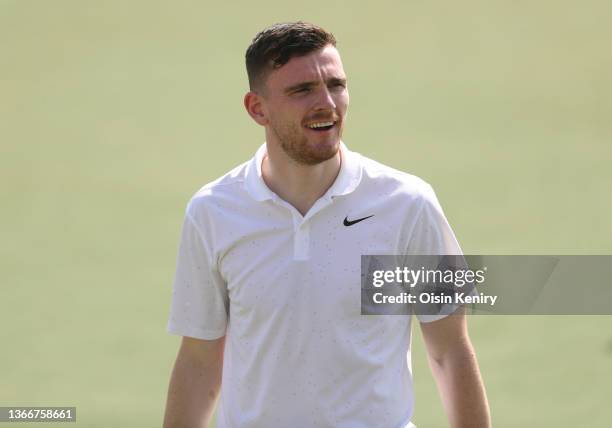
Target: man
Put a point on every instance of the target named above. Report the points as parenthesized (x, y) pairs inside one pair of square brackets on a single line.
[(267, 290)]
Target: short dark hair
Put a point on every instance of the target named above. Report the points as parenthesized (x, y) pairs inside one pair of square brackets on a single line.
[(276, 45)]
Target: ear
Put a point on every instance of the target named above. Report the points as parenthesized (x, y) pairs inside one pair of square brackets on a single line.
[(253, 104)]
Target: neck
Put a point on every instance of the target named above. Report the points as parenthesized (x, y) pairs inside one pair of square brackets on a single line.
[(300, 185)]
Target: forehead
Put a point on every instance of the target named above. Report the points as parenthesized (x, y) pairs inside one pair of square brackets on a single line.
[(319, 65)]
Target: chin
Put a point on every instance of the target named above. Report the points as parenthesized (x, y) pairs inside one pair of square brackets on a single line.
[(323, 152), (328, 145), (312, 152)]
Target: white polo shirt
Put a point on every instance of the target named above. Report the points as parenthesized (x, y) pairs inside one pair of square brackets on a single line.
[(286, 291)]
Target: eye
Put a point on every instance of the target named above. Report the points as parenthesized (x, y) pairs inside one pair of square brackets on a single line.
[(301, 91)]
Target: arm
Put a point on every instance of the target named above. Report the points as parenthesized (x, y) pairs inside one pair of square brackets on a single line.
[(453, 362), (195, 383)]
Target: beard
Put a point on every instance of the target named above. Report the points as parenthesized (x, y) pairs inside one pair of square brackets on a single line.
[(296, 145)]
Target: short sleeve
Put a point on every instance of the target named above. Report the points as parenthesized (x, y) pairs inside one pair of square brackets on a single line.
[(199, 306), (433, 235)]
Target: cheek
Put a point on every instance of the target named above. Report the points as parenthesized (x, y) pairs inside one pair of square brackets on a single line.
[(286, 112), (343, 104), (277, 116), (285, 121)]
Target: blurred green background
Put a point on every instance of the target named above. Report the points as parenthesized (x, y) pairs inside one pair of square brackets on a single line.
[(113, 113)]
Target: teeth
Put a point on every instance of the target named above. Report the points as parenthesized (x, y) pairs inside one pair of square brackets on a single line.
[(320, 124)]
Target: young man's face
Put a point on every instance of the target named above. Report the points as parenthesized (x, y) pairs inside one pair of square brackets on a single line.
[(305, 103)]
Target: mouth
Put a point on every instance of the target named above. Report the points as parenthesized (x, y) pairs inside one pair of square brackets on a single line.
[(321, 126)]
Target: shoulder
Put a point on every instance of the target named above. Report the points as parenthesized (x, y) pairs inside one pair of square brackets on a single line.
[(220, 193), (391, 182)]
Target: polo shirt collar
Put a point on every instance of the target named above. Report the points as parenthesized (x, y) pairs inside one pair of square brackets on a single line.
[(346, 182), (350, 173)]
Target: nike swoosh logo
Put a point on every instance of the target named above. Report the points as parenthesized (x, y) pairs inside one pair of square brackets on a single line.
[(348, 222)]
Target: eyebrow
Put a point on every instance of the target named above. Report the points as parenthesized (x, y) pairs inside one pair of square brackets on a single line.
[(312, 84)]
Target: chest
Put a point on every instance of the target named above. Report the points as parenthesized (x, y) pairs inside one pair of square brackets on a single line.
[(287, 269)]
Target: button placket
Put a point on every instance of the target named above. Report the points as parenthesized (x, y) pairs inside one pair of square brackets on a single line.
[(301, 247)]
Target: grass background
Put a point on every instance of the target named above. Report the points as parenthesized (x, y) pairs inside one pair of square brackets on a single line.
[(113, 113)]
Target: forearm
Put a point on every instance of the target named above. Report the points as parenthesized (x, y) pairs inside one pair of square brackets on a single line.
[(461, 388), (193, 392)]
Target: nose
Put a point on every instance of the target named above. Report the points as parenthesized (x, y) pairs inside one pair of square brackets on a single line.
[(325, 100)]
